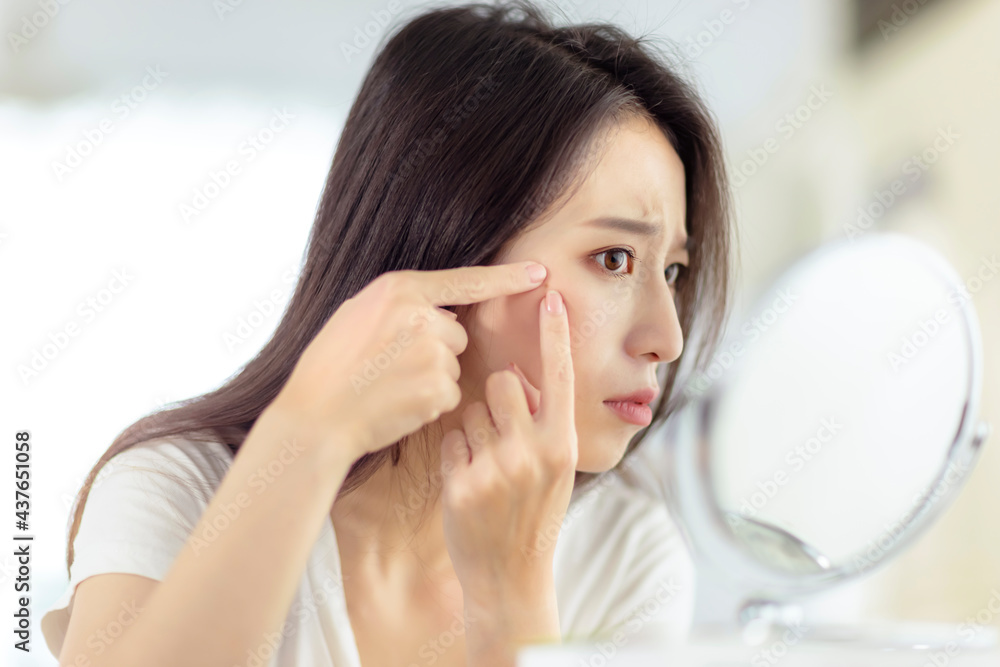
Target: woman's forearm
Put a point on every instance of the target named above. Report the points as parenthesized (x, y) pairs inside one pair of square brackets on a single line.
[(230, 589)]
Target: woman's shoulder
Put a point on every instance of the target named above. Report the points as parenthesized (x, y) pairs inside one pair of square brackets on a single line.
[(172, 477), (147, 499), (171, 462)]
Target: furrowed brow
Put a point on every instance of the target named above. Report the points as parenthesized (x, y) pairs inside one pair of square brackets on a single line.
[(639, 228)]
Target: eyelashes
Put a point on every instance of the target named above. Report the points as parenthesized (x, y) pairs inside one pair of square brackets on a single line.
[(632, 259), (680, 273)]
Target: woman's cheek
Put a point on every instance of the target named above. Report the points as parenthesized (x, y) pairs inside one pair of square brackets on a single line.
[(509, 331), (587, 310)]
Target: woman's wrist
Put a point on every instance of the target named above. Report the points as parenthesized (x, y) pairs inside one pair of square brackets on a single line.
[(330, 450), (501, 621)]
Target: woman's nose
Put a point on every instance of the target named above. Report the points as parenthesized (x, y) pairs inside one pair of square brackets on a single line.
[(657, 331)]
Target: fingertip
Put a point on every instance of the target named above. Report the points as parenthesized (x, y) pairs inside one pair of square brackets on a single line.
[(554, 303), (536, 272)]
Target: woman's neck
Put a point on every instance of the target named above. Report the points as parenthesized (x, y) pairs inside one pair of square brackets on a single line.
[(391, 525)]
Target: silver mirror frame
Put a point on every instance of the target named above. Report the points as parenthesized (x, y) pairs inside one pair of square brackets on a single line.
[(691, 493)]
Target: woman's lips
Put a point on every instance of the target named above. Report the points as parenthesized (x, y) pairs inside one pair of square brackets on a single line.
[(634, 413)]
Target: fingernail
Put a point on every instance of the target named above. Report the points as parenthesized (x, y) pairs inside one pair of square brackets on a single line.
[(553, 302), (536, 272)]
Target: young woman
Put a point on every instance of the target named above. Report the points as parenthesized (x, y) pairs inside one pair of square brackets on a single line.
[(520, 226)]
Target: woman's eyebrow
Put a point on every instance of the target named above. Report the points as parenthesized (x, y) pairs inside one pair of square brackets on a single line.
[(639, 228)]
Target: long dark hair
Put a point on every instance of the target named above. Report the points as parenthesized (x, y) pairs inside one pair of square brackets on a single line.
[(470, 122)]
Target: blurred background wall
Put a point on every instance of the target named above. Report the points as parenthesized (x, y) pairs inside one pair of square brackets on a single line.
[(118, 215)]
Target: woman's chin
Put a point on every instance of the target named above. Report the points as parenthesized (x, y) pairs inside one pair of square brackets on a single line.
[(598, 457)]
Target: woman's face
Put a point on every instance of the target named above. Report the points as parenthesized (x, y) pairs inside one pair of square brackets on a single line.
[(621, 312)]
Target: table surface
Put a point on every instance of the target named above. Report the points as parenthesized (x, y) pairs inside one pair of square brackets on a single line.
[(731, 654)]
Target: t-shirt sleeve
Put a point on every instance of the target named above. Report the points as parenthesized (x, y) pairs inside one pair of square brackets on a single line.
[(628, 574), (144, 504)]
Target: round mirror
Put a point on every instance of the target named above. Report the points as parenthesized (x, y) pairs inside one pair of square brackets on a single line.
[(835, 424)]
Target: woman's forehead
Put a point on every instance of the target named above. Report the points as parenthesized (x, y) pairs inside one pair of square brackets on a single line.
[(640, 177)]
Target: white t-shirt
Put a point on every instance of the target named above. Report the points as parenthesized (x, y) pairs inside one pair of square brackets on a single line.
[(620, 563)]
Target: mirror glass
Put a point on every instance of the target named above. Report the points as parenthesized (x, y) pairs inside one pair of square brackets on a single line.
[(839, 415)]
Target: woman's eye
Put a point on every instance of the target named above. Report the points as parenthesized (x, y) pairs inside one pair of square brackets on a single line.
[(673, 277), (615, 259)]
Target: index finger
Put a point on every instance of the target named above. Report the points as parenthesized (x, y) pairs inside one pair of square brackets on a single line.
[(470, 284), (557, 360)]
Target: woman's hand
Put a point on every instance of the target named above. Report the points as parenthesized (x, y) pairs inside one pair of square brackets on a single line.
[(386, 363), (508, 477)]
